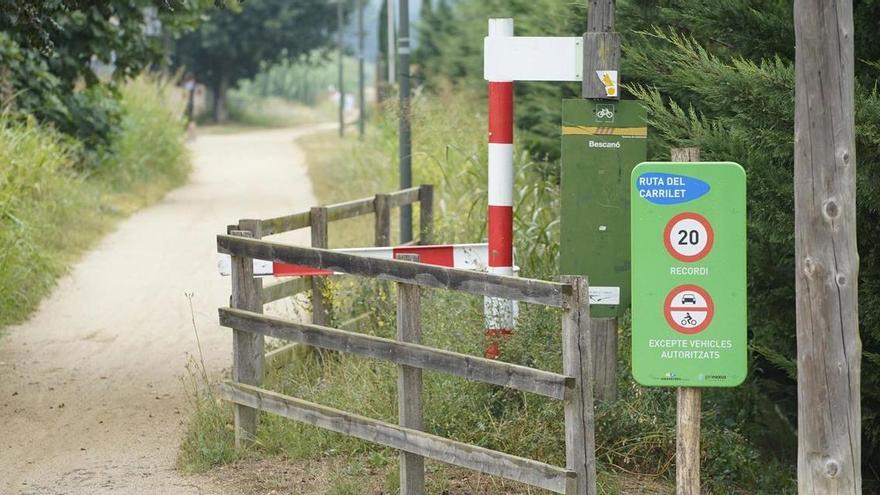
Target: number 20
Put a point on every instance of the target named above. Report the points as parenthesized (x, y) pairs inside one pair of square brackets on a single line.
[(688, 237)]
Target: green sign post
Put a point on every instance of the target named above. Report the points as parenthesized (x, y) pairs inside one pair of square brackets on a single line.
[(601, 143), (689, 274)]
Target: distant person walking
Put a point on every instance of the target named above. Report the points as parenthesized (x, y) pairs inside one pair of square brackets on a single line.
[(189, 85)]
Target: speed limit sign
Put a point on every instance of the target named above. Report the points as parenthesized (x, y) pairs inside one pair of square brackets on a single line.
[(688, 237)]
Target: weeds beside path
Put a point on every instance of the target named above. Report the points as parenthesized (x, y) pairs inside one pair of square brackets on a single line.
[(91, 397)]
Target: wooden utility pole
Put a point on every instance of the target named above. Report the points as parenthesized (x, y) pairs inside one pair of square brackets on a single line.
[(688, 404), (601, 49), (827, 262), (602, 53)]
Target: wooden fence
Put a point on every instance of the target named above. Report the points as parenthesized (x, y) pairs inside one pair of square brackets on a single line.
[(318, 219), (573, 385)]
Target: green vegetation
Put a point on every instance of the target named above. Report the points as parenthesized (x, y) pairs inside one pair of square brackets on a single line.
[(50, 50), (254, 111), (235, 43), (57, 196), (292, 92), (720, 76), (305, 81)]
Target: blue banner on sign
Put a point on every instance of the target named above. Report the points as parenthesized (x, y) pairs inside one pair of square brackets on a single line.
[(670, 189)]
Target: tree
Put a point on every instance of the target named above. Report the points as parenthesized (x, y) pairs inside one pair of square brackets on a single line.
[(48, 46), (235, 43)]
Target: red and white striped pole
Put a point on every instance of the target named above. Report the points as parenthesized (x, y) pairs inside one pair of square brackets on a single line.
[(500, 313)]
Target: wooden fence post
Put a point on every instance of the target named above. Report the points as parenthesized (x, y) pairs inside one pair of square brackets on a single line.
[(409, 383), (318, 224), (383, 220), (580, 436), (688, 403), (247, 347), (426, 214), (829, 350), (255, 227)]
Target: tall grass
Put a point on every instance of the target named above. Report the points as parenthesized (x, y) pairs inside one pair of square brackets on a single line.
[(257, 111), (39, 191), (305, 81), (149, 144), (51, 210), (449, 151)]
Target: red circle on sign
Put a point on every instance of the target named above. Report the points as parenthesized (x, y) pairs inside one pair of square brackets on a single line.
[(677, 302), (710, 237)]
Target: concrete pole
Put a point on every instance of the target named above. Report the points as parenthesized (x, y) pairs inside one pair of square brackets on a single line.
[(392, 71), (362, 107), (405, 114), (341, 82)]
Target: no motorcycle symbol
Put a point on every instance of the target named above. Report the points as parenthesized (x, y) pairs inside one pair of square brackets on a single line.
[(688, 309)]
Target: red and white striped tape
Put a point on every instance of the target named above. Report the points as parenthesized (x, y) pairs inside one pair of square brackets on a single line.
[(500, 313), (464, 256)]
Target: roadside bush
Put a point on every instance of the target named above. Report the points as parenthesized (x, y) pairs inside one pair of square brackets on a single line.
[(30, 88), (148, 145), (58, 195)]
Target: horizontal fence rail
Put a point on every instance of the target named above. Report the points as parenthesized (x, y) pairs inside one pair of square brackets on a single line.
[(403, 197), (477, 283), (378, 204), (549, 477), (350, 209), (473, 368), (286, 223)]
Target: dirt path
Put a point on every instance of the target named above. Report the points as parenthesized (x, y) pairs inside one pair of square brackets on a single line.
[(90, 396)]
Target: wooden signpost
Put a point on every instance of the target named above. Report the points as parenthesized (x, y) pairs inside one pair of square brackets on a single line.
[(689, 306), (603, 138)]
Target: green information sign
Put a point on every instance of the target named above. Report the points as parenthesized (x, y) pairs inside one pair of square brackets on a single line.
[(689, 274), (601, 143)]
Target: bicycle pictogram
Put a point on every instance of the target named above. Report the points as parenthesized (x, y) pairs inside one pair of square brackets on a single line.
[(605, 113)]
